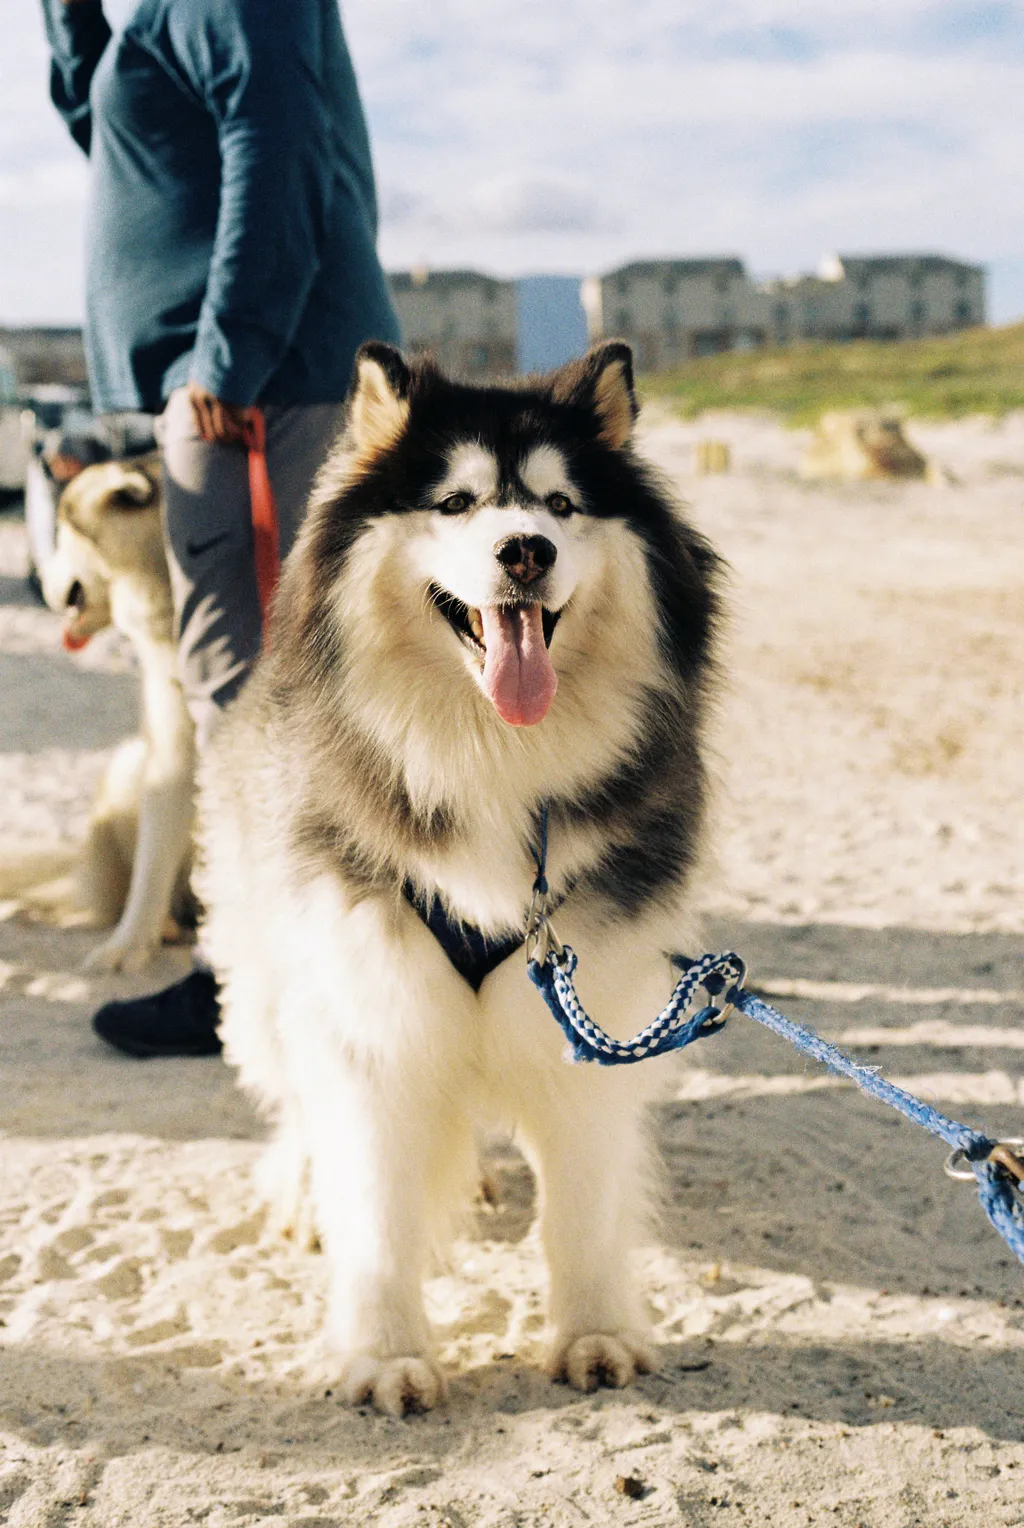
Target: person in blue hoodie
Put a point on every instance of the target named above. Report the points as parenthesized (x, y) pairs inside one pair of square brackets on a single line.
[(231, 263)]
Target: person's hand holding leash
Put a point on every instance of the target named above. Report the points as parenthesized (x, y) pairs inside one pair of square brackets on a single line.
[(216, 420)]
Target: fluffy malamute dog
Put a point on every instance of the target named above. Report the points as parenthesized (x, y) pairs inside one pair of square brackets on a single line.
[(492, 605)]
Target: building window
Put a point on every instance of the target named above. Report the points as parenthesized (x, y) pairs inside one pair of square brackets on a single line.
[(622, 286), (623, 321), (917, 314), (722, 281), (862, 318), (962, 312)]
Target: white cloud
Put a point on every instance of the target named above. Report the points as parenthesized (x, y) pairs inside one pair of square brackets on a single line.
[(856, 133)]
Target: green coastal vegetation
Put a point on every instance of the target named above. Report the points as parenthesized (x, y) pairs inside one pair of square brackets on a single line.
[(977, 371)]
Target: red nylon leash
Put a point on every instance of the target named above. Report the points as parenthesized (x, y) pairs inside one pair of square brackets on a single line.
[(265, 530)]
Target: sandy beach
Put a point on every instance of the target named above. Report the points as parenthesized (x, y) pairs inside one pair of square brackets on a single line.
[(842, 1332)]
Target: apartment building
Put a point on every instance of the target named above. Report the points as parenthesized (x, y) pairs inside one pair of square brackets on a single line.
[(465, 319), (45, 353), (671, 310), (879, 297)]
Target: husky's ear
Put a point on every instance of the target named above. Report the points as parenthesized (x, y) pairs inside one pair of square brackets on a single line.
[(134, 490), (603, 382), (379, 400)]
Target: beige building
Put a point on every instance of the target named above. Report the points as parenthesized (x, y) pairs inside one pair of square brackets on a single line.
[(466, 320), (671, 310), (46, 354), (880, 297)]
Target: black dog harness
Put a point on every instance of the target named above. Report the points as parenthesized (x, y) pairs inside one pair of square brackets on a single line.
[(472, 953)]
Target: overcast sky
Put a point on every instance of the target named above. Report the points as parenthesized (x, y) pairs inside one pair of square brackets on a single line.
[(571, 135)]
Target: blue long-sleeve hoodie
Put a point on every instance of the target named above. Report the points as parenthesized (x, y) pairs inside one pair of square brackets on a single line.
[(232, 215)]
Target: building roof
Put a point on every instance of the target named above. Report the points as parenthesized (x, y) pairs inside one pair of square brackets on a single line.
[(31, 334), (434, 281), (793, 286), (891, 265), (711, 265)]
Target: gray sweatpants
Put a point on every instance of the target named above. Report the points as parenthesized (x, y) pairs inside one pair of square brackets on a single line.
[(208, 527)]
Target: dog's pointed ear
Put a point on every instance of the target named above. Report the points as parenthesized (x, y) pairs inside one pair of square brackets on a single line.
[(135, 490), (603, 382), (378, 407)]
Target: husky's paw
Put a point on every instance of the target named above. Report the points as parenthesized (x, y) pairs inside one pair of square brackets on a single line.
[(122, 952), (603, 1358), (394, 1385)]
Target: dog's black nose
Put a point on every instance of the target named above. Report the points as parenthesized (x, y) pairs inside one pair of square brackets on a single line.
[(526, 557)]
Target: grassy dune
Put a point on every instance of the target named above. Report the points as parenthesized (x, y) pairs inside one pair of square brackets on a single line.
[(975, 371)]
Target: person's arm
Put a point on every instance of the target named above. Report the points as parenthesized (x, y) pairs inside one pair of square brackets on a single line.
[(77, 32), (259, 68)]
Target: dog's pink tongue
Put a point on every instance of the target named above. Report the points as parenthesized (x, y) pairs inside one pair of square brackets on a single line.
[(518, 676)]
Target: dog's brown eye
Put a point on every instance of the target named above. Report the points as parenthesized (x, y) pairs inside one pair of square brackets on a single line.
[(560, 504), (455, 504)]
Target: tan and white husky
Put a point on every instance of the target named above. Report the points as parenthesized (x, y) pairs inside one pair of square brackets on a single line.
[(109, 568)]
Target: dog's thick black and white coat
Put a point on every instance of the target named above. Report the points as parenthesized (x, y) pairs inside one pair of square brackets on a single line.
[(493, 604)]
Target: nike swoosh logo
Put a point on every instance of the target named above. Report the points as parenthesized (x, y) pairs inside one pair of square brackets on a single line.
[(197, 548)]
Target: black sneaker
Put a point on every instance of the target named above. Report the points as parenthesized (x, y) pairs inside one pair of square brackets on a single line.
[(179, 1021)]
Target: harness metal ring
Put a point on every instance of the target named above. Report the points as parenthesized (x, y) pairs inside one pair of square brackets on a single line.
[(539, 931), (729, 1005)]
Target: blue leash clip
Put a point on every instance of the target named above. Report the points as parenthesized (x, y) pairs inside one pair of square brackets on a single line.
[(672, 1030), (550, 966)]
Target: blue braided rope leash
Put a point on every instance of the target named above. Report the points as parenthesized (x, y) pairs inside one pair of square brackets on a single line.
[(997, 1166)]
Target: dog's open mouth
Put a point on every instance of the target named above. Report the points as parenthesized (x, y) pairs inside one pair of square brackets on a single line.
[(467, 623), (512, 641), (75, 639)]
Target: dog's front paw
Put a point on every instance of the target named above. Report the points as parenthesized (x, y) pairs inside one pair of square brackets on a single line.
[(122, 952), (601, 1358), (394, 1385)]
